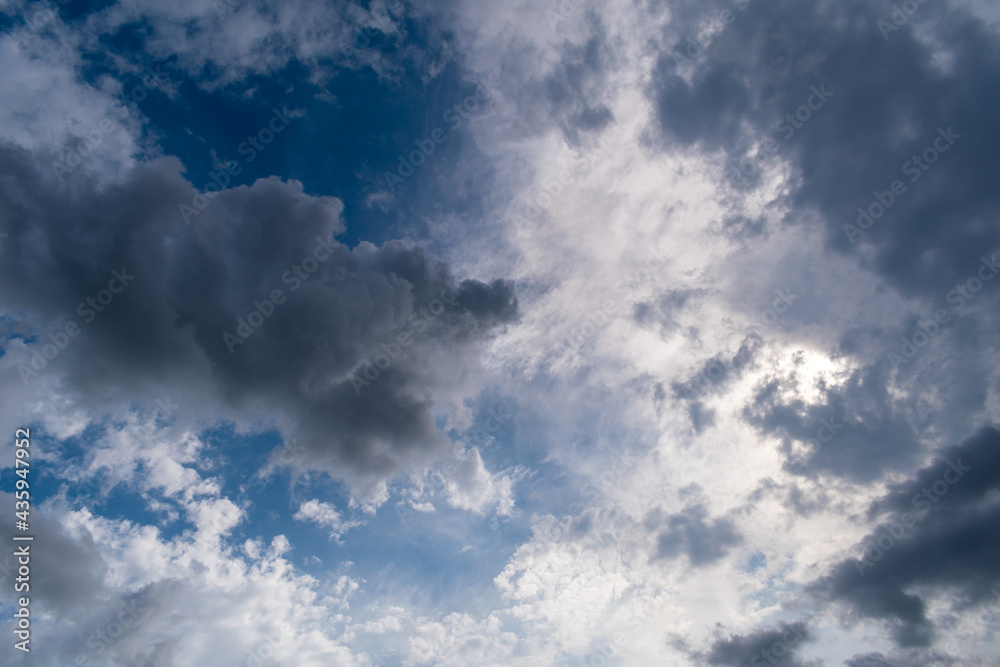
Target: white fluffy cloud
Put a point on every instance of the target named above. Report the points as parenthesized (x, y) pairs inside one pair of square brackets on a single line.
[(194, 598), (325, 515)]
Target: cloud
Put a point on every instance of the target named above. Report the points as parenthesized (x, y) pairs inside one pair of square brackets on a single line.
[(690, 533), (325, 515), (763, 647), (798, 429), (867, 429), (939, 545), (575, 86), (715, 376), (172, 594), (459, 639), (253, 309), (889, 100), (868, 660), (66, 567), (226, 41)]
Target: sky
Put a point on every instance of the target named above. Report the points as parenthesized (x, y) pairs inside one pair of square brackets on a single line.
[(408, 333)]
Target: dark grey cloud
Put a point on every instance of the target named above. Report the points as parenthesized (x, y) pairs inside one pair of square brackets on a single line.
[(939, 538), (767, 646), (868, 660), (701, 417), (857, 430), (720, 370), (980, 454), (861, 429), (164, 333), (920, 658), (890, 97), (884, 100), (682, 106), (691, 533)]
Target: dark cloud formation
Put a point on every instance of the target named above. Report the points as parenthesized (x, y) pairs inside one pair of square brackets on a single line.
[(890, 97), (852, 109), (720, 370), (980, 454), (871, 422), (868, 102), (682, 107), (856, 430), (763, 647), (919, 658), (910, 658), (347, 359), (717, 373), (691, 533), (938, 536)]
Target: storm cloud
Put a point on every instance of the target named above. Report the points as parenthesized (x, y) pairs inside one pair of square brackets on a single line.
[(253, 306)]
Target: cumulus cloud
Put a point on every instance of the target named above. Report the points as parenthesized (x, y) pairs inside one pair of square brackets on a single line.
[(253, 307), (325, 515), (167, 595)]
